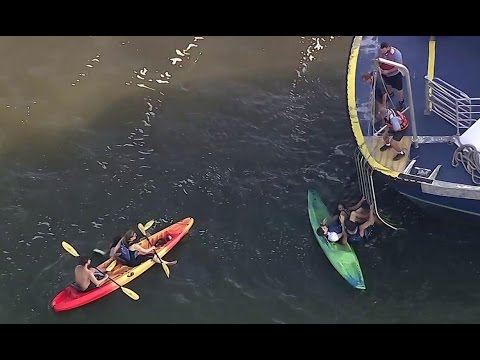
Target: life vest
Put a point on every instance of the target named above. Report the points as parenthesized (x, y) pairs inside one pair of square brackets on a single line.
[(388, 56), (403, 119), (126, 254), (335, 227)]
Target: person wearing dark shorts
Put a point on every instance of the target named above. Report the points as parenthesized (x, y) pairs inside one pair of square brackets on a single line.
[(396, 123)]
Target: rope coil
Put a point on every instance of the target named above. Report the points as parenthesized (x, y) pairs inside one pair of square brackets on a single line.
[(469, 157)]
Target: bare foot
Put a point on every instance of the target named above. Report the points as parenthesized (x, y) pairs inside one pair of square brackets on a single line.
[(170, 262)]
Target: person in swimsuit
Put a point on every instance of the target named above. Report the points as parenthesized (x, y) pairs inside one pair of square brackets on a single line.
[(86, 276), (132, 254)]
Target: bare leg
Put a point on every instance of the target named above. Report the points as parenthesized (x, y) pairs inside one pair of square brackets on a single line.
[(386, 138), (400, 95), (396, 145), (158, 261)]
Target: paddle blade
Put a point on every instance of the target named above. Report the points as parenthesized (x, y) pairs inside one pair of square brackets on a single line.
[(141, 228), (166, 269), (132, 294), (69, 248), (149, 224), (111, 266)]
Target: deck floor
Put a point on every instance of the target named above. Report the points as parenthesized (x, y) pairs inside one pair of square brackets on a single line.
[(385, 158)]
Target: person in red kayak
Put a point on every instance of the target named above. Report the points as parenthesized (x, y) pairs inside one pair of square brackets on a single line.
[(86, 276), (132, 254)]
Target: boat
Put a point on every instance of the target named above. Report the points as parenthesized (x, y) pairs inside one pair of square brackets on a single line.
[(70, 298), (342, 257), (441, 166)]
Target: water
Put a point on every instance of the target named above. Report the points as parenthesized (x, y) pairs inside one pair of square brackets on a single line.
[(233, 135)]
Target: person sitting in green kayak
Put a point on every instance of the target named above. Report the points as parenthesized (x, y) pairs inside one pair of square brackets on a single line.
[(333, 233), (132, 254), (86, 277)]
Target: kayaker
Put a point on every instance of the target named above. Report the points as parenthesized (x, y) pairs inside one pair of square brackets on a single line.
[(347, 210), (354, 231), (86, 276), (379, 89), (333, 232), (132, 254), (361, 213)]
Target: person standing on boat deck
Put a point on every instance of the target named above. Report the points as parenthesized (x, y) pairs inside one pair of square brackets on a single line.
[(396, 123), (379, 90), (391, 74)]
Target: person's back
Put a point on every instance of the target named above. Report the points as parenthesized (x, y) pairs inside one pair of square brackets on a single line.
[(85, 279), (82, 277), (356, 232)]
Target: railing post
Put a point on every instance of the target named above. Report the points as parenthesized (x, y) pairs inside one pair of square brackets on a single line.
[(456, 116), (403, 69), (428, 100)]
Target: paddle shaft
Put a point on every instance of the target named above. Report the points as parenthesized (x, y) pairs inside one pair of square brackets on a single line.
[(154, 251), (108, 277)]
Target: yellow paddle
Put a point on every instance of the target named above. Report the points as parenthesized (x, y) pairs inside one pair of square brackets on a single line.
[(71, 250), (149, 224), (111, 266), (164, 266)]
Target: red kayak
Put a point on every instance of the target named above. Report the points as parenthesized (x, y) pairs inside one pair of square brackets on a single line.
[(70, 298)]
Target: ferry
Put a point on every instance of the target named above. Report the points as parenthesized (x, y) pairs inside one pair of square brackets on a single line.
[(440, 163)]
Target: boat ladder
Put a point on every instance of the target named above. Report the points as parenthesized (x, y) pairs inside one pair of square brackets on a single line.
[(365, 182)]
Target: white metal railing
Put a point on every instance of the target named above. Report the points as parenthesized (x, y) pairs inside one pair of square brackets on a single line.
[(451, 104)]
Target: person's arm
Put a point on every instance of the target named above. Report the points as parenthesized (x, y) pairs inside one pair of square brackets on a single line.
[(384, 99), (142, 250), (343, 236), (94, 279), (366, 224), (355, 207)]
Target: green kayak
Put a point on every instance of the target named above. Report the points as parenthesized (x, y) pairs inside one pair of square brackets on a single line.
[(342, 257)]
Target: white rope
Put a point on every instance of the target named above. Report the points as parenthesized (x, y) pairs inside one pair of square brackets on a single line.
[(469, 157)]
